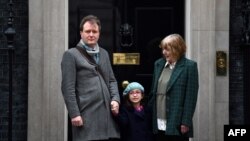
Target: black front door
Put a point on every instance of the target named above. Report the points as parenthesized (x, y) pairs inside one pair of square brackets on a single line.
[(130, 26), (151, 21)]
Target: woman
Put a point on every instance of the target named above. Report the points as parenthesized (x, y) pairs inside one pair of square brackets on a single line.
[(174, 91)]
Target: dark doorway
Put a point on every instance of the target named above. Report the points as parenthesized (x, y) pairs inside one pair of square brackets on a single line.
[(150, 21)]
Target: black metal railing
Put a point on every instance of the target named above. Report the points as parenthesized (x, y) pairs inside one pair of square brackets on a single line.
[(10, 33)]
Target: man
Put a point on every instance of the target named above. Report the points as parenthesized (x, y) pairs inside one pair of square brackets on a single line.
[(89, 87)]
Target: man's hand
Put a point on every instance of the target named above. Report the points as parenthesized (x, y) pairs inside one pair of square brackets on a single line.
[(77, 121), (114, 107)]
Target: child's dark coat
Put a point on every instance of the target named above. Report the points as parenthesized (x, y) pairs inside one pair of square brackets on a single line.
[(134, 125)]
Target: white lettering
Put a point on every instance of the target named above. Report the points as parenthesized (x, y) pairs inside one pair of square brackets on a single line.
[(231, 132), (237, 131), (243, 131)]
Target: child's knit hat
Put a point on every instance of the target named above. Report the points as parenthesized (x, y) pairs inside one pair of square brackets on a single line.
[(132, 86)]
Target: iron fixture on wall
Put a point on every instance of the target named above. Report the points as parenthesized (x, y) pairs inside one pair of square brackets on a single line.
[(221, 63)]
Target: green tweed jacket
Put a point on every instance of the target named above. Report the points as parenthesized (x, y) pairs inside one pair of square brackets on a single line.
[(182, 91)]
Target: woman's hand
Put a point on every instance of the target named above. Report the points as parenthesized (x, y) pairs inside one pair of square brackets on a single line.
[(184, 129)]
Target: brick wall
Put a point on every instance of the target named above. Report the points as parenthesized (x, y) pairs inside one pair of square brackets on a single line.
[(237, 65), (20, 71)]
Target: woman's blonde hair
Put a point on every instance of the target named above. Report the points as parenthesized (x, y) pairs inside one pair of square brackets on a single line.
[(175, 43)]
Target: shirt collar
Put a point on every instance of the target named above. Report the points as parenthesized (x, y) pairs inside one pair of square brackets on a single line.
[(171, 66)]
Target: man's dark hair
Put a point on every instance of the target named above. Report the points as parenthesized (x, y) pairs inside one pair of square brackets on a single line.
[(92, 19)]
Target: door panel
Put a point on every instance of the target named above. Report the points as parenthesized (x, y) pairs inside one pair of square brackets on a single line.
[(151, 21)]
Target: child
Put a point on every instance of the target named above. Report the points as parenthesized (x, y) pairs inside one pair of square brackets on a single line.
[(134, 118)]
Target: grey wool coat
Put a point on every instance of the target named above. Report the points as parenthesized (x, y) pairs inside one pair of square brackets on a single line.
[(181, 95), (88, 94)]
